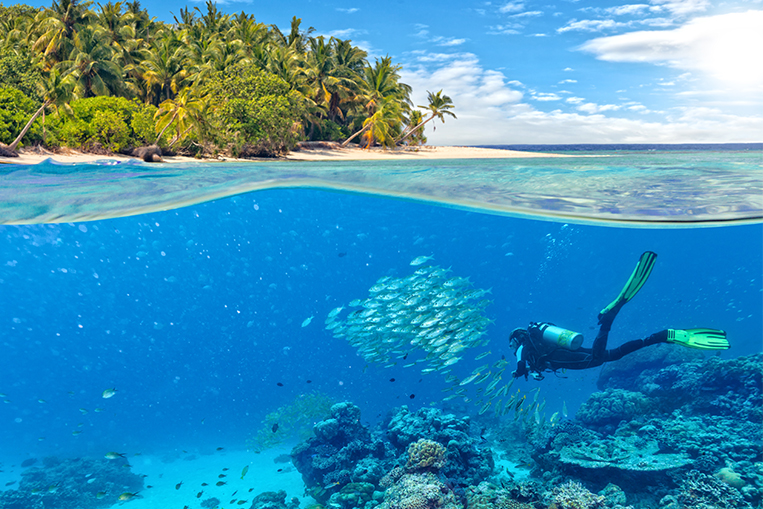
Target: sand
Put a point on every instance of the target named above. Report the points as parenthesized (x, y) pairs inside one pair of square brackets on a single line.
[(344, 154)]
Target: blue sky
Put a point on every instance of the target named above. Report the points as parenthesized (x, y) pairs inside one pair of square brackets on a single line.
[(560, 71)]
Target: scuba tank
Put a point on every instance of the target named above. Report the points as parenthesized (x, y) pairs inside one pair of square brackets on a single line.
[(556, 337)]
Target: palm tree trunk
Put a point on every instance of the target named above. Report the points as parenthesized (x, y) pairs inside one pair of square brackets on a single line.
[(348, 140), (411, 131), (15, 143), (165, 128), (179, 136)]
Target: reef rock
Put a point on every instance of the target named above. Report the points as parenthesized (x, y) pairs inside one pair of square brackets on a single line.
[(149, 154), (468, 464), (81, 483)]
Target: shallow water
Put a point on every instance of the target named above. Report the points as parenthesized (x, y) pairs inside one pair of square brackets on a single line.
[(195, 314), (636, 188)]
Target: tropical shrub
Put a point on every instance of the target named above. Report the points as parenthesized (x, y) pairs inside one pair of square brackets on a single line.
[(115, 123), (255, 113), (15, 111), (17, 70)]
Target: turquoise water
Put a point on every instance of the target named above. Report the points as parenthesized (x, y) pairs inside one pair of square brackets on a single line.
[(200, 315)]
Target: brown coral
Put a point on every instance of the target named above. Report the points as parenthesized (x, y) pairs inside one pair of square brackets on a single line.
[(426, 454), (422, 490), (391, 478)]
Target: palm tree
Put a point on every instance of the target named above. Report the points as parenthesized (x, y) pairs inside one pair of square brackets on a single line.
[(185, 109), (416, 135), (59, 24), (162, 67), (56, 89), (439, 106), (380, 127), (92, 65)]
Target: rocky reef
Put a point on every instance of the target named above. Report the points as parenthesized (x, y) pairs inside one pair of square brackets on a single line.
[(80, 483), (345, 459), (667, 430), (661, 429)]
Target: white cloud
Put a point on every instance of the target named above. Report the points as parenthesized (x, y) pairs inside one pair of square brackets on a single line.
[(726, 46), (348, 11), (681, 7), (567, 81), (509, 29), (627, 10), (345, 33), (542, 96), (448, 41), (596, 108), (568, 69), (491, 111), (591, 25), (512, 6), (527, 14)]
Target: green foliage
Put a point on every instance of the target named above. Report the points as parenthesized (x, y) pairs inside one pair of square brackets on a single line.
[(143, 125), (295, 421), (18, 70), (255, 112), (15, 111), (114, 122), (110, 130), (328, 130)]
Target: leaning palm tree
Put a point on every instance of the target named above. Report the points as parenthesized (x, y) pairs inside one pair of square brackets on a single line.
[(56, 90), (381, 126), (439, 106), (184, 111)]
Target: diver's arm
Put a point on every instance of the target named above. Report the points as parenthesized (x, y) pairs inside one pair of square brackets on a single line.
[(521, 364)]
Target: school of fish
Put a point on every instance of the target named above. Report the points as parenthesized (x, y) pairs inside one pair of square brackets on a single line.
[(430, 312)]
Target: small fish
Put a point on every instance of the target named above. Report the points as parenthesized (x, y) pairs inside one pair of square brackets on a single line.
[(482, 378), (108, 393), (564, 409), (484, 408), (279, 384), (335, 311), (100, 495), (83, 411), (221, 448), (113, 455), (469, 379), (242, 502), (275, 427), (126, 496), (220, 483), (307, 321), (76, 432), (41, 401), (53, 487), (412, 396), (199, 494), (483, 355), (391, 379), (204, 484), (244, 471), (420, 259), (221, 476), (178, 485)]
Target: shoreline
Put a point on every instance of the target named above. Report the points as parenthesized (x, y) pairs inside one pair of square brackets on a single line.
[(310, 155)]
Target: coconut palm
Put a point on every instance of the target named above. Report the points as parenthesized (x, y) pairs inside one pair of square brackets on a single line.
[(162, 67), (381, 126), (184, 111), (92, 66), (56, 90), (58, 25), (439, 106)]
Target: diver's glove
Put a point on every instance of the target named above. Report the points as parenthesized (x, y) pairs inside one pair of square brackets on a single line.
[(537, 376)]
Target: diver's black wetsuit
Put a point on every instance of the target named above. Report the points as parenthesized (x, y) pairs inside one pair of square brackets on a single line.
[(533, 358)]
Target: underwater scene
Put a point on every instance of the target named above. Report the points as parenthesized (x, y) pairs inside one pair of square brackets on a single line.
[(314, 348)]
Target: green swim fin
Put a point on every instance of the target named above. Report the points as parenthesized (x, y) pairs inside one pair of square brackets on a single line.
[(704, 339), (635, 282)]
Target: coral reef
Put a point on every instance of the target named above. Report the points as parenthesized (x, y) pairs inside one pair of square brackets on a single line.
[(343, 451), (426, 454), (420, 490), (210, 503), (292, 421), (573, 495), (490, 496), (80, 483), (647, 432), (469, 464), (613, 406), (274, 500), (701, 491)]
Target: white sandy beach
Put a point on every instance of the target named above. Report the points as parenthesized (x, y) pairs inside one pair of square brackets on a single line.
[(344, 154)]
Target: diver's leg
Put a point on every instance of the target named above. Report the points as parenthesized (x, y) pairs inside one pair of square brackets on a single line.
[(637, 344)]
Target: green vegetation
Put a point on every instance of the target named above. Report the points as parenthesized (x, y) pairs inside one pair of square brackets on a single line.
[(294, 421), (110, 77)]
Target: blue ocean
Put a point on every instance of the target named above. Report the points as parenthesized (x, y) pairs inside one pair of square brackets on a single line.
[(146, 359)]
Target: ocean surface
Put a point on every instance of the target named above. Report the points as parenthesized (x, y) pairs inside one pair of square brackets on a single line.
[(208, 317)]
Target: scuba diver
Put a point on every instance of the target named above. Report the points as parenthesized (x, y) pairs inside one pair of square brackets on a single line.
[(546, 347)]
